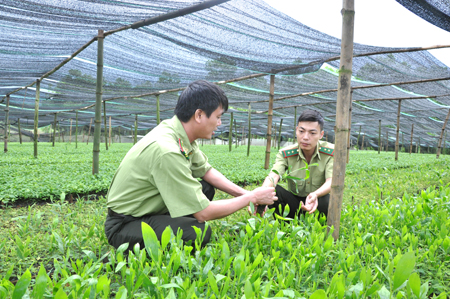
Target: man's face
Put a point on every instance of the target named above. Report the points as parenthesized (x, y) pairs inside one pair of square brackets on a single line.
[(210, 124), (308, 135)]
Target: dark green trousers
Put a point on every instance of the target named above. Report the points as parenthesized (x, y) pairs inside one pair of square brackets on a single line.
[(286, 197), (121, 229)]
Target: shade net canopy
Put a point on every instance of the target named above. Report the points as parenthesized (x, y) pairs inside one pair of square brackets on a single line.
[(437, 12), (231, 40)]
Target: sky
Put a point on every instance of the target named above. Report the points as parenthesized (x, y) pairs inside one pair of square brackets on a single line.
[(377, 23)]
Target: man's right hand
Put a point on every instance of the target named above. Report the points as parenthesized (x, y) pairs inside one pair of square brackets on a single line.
[(264, 196)]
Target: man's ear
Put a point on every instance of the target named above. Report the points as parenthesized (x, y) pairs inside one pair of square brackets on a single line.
[(321, 134), (198, 115)]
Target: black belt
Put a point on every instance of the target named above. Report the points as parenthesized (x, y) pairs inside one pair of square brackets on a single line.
[(114, 214)]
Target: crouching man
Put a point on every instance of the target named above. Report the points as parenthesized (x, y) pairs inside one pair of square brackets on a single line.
[(156, 182), (312, 193)]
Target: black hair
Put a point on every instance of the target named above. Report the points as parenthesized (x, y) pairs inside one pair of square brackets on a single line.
[(200, 95), (312, 116)]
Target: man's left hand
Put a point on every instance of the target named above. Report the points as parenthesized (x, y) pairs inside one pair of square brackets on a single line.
[(311, 203)]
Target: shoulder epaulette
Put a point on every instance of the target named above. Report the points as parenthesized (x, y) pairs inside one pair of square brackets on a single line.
[(326, 150), (290, 152)]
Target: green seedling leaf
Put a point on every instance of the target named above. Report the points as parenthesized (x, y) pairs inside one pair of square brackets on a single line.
[(22, 285), (121, 293), (384, 293), (404, 268), (213, 283), (60, 294), (318, 294), (165, 238), (248, 290), (151, 241), (414, 284), (41, 283)]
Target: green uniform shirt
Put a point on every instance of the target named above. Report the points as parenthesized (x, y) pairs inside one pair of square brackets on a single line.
[(158, 175), (292, 156)]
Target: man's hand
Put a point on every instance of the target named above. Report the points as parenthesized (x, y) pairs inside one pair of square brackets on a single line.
[(264, 196), (249, 210), (311, 203)]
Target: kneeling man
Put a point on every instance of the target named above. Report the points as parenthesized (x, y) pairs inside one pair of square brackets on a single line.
[(157, 183), (312, 193)]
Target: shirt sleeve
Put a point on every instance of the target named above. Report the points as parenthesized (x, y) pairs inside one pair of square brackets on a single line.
[(280, 164), (200, 164), (329, 168), (180, 191)]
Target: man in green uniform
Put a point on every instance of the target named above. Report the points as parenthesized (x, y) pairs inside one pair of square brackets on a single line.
[(312, 193), (156, 182)]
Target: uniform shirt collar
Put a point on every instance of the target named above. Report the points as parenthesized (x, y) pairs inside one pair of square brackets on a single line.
[(316, 152), (181, 133)]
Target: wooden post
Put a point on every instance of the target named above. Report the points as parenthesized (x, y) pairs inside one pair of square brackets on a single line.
[(98, 104), (249, 128), (274, 139), (379, 136), (411, 145), (76, 128), (6, 123), (230, 132), (110, 130), (70, 132), (398, 129), (442, 134), (295, 122), (158, 110), (279, 134), (403, 143), (418, 147), (342, 117), (120, 138), (82, 139), (20, 132), (135, 128), (104, 125), (362, 143), (36, 117), (54, 130), (236, 133), (269, 121), (357, 141), (59, 132), (443, 149), (349, 127), (89, 132), (387, 140)]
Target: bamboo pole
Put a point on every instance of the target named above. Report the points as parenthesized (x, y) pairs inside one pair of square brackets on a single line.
[(36, 116), (279, 134), (357, 141), (342, 117), (274, 139), (120, 138), (89, 132), (249, 128), (98, 104), (379, 136), (442, 134), (411, 145), (6, 124), (398, 129), (269, 121), (235, 133), (20, 132), (230, 132), (362, 143), (61, 133), (387, 140), (158, 112), (54, 130), (403, 143), (76, 129), (295, 122), (349, 127), (82, 140), (104, 125), (135, 128), (110, 130), (444, 151), (70, 132), (418, 146)]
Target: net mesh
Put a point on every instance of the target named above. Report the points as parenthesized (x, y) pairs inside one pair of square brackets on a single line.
[(231, 40)]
